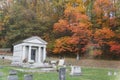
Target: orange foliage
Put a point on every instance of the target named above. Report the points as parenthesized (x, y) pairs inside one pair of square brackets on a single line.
[(61, 26), (104, 33), (113, 22), (102, 7), (65, 44), (78, 24), (80, 17), (73, 40), (59, 45)]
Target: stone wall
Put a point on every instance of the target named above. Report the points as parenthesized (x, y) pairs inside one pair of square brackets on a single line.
[(4, 51)]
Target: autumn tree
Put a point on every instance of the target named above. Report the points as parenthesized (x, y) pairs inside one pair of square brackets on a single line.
[(74, 28), (114, 50), (104, 25)]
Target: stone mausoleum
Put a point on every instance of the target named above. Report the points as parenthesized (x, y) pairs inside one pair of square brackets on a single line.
[(31, 51)]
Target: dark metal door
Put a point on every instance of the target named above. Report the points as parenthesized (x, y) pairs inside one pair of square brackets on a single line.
[(33, 54)]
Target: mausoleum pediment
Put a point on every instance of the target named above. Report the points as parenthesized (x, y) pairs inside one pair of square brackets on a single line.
[(35, 39)]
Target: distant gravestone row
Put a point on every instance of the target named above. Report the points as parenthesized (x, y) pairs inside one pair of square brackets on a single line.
[(13, 76), (112, 73), (75, 70)]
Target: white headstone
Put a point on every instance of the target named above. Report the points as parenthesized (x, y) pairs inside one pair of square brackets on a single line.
[(61, 62), (75, 70), (115, 73), (53, 62), (109, 73)]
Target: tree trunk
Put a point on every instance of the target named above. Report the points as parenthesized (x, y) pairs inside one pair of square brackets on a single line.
[(78, 57)]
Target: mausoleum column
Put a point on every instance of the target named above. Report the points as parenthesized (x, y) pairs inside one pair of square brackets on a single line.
[(39, 54), (29, 54), (23, 53), (44, 53)]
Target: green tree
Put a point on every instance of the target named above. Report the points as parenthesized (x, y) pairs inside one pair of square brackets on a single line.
[(30, 17)]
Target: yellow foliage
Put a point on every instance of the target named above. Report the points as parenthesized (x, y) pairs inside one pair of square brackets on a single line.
[(75, 6), (6, 19)]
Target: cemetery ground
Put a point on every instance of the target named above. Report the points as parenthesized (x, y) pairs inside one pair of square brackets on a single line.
[(91, 70)]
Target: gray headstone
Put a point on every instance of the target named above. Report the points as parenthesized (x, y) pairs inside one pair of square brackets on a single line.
[(28, 77), (12, 72), (12, 77), (62, 72), (1, 67), (1, 74)]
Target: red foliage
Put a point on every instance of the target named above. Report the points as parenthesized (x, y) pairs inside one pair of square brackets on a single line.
[(101, 35), (115, 47), (83, 49), (97, 52)]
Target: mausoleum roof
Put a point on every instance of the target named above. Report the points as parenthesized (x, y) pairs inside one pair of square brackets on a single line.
[(33, 39)]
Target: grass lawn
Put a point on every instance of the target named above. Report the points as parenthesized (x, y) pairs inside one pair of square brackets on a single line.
[(88, 74)]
